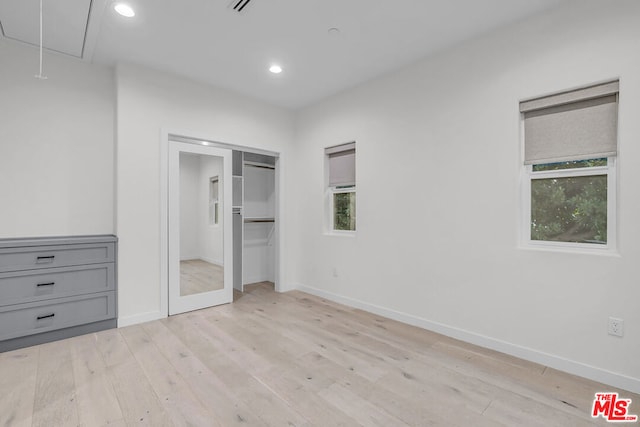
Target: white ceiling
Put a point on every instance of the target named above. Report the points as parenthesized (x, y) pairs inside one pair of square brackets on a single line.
[(64, 27), (206, 40)]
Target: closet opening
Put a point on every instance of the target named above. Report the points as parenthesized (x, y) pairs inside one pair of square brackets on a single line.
[(254, 221), (246, 200)]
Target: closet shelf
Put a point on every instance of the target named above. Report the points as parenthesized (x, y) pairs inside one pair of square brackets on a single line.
[(248, 220)]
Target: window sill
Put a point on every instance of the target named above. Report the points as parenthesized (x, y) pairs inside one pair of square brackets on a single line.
[(571, 250), (340, 233)]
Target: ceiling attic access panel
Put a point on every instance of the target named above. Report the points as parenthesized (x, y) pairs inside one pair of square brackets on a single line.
[(64, 23)]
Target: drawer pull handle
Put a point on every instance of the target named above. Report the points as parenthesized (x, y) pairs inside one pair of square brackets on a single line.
[(45, 284), (45, 259), (46, 316)]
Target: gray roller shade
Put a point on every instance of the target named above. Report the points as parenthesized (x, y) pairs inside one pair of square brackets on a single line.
[(342, 165), (574, 125)]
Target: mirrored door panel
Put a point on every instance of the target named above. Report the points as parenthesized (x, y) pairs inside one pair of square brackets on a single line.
[(200, 227)]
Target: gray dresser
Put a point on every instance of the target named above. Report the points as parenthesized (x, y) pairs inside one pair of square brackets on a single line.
[(56, 287)]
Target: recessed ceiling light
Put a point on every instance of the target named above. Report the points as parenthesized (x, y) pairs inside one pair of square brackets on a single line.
[(124, 10), (275, 69)]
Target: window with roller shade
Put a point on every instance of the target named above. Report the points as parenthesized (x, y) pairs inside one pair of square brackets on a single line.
[(341, 188), (570, 150)]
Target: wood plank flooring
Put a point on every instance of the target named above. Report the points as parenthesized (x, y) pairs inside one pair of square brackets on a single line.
[(197, 276), (288, 359)]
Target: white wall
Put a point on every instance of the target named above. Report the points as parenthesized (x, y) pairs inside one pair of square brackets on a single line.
[(438, 180), (147, 102), (210, 237), (56, 145), (198, 238), (259, 192), (189, 204)]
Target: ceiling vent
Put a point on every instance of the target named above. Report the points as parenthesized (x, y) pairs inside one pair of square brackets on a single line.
[(239, 5)]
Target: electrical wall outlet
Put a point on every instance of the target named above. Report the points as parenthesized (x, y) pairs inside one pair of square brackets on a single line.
[(616, 326)]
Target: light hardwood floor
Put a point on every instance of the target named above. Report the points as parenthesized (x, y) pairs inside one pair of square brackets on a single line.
[(288, 359), (198, 276)]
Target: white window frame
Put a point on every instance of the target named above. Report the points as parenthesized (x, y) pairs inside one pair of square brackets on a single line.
[(340, 190), (610, 171), (331, 190), (214, 203)]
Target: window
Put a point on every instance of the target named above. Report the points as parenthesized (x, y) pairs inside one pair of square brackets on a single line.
[(214, 203), (570, 149), (341, 187), (344, 209)]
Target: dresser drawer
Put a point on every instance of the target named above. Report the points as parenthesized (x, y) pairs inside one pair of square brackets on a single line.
[(28, 258), (36, 285), (33, 318)]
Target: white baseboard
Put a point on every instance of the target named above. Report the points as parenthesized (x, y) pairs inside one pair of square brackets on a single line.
[(209, 260), (556, 362), (286, 287), (256, 279), (139, 318), (212, 261)]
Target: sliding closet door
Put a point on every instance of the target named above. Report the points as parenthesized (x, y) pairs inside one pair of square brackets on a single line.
[(200, 227)]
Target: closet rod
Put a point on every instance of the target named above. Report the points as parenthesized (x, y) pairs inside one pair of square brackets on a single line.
[(259, 165), (246, 220)]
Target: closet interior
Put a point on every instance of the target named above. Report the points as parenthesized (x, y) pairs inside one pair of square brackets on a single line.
[(254, 219)]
